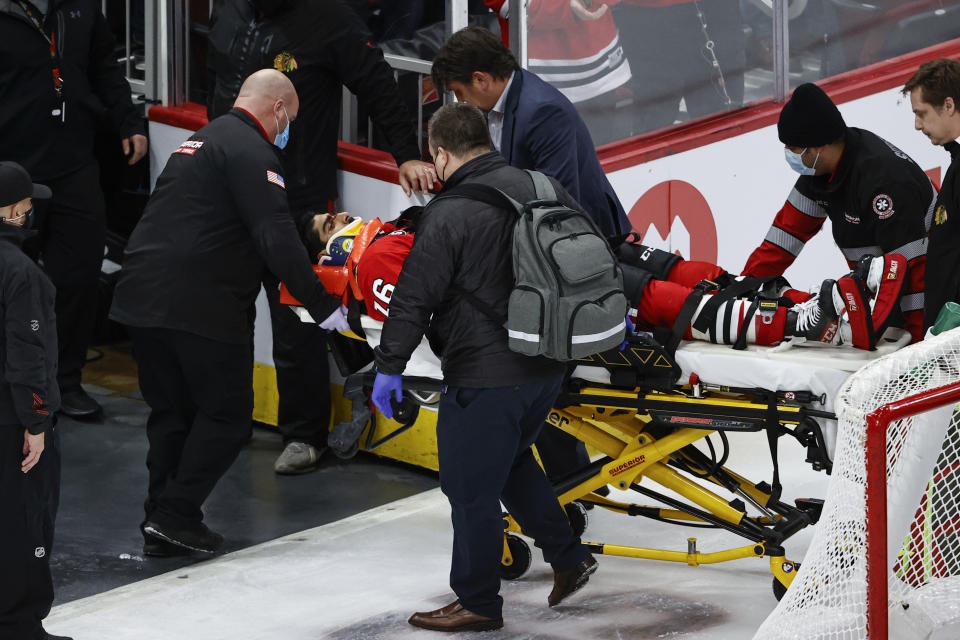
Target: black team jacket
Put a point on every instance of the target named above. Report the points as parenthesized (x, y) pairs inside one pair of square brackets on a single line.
[(216, 220), (321, 45), (93, 87), (29, 393)]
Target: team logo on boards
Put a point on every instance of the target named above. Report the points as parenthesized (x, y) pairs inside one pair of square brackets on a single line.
[(674, 216)]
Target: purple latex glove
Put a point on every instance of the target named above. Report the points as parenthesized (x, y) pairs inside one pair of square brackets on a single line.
[(385, 385), (630, 330)]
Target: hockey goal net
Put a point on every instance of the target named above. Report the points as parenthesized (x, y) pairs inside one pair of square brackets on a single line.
[(884, 561)]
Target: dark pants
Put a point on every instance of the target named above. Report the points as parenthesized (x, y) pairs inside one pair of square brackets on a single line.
[(669, 59), (28, 509), (303, 373), (200, 393), (560, 453), (72, 236), (483, 445)]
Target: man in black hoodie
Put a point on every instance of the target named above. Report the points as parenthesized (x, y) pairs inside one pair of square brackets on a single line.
[(29, 396), (60, 78)]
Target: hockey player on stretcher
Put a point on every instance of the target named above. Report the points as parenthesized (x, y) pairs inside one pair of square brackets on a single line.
[(697, 300)]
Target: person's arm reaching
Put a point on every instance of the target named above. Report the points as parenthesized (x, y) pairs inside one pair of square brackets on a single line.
[(361, 67), (422, 285), (261, 200), (799, 220), (112, 87)]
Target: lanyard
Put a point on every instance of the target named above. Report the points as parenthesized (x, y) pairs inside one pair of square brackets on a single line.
[(52, 40)]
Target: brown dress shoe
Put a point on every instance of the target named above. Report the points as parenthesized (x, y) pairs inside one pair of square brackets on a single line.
[(454, 617), (567, 582)]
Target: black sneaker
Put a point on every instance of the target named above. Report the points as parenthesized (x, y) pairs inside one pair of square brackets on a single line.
[(43, 635), (197, 537), (77, 403), (818, 319)]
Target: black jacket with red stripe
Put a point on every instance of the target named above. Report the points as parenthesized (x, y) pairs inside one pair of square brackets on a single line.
[(878, 201), (29, 394)]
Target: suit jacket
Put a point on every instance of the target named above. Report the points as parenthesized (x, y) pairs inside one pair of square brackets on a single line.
[(542, 130)]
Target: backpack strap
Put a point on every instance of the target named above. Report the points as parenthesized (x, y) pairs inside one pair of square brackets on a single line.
[(495, 198), (542, 185), (481, 193)]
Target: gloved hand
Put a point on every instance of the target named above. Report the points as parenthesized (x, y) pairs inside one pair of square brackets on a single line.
[(631, 329), (336, 321), (384, 386)]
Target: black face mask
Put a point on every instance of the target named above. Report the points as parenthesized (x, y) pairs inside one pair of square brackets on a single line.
[(271, 7)]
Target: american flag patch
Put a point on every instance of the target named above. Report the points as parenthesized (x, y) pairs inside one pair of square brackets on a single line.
[(275, 178)]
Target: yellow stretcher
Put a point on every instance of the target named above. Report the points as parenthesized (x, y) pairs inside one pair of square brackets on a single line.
[(645, 423)]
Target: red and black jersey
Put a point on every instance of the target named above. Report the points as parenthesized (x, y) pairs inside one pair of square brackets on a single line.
[(379, 268), (878, 201)]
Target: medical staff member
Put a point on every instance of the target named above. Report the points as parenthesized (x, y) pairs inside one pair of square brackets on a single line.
[(191, 273), (322, 46), (29, 397), (934, 92), (878, 199)]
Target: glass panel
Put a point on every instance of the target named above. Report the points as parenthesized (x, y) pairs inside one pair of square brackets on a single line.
[(832, 36), (640, 65)]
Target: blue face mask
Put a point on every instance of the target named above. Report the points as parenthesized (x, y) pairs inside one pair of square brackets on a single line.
[(796, 162), (284, 136)]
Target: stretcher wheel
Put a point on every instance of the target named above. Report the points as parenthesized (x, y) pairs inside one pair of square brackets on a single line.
[(577, 515), (522, 558), (779, 589), (349, 453)]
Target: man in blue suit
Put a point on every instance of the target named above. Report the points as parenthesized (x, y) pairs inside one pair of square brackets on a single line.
[(532, 124)]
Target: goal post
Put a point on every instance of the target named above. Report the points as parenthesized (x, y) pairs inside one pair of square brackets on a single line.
[(884, 561), (877, 537)]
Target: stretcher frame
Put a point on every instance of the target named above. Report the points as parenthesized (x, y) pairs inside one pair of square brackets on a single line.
[(644, 424)]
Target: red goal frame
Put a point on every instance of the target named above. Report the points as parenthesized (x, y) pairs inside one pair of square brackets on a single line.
[(876, 494)]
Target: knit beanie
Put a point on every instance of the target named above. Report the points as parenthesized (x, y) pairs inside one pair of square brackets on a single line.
[(810, 119)]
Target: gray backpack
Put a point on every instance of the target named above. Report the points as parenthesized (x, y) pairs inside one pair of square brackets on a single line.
[(567, 300)]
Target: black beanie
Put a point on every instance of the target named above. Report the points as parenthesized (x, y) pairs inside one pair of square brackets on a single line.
[(810, 119)]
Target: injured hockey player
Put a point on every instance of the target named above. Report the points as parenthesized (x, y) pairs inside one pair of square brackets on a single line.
[(675, 298)]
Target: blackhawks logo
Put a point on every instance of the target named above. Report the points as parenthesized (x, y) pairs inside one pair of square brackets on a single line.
[(940, 215), (285, 62)]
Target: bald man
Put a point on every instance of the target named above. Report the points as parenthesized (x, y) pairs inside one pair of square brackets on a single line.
[(217, 220)]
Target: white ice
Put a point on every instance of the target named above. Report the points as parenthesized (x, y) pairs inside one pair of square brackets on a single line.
[(361, 578)]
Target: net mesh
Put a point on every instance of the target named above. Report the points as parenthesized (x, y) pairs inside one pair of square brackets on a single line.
[(828, 597)]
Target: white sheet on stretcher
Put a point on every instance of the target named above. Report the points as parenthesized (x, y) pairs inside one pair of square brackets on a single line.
[(820, 370)]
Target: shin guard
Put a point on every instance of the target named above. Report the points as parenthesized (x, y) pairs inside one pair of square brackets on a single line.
[(869, 312)]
